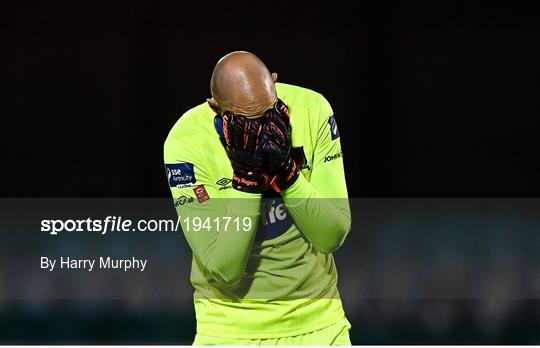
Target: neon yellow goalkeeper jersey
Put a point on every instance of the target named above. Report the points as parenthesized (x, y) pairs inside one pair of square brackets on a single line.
[(262, 265)]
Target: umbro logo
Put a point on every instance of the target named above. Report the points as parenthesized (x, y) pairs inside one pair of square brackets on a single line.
[(224, 182)]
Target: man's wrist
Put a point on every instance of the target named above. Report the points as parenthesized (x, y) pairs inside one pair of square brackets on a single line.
[(287, 177), (299, 189)]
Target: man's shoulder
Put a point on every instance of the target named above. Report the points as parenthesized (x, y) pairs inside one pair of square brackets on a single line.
[(310, 105), (192, 128), (293, 93), (192, 123)]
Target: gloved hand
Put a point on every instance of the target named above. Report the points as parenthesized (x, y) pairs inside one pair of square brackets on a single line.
[(240, 137), (275, 148), (259, 149)]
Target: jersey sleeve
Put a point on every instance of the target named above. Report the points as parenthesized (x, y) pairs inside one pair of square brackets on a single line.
[(320, 207), (220, 231)]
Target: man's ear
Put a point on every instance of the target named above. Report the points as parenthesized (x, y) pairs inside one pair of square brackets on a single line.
[(213, 104), (274, 77)]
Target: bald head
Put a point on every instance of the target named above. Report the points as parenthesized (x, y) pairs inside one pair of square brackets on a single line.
[(242, 84)]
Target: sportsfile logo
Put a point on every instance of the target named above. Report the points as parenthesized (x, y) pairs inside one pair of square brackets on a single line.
[(333, 157)]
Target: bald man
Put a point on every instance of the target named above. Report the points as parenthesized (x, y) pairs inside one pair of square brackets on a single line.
[(262, 210)]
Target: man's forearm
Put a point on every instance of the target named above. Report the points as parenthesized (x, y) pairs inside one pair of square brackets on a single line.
[(225, 249), (324, 221)]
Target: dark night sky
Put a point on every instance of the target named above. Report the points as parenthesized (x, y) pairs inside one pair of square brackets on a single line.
[(439, 100)]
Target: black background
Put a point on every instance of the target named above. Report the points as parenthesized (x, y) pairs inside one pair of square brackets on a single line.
[(437, 99)]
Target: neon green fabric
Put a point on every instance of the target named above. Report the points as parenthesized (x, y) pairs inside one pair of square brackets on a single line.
[(276, 276), (334, 335)]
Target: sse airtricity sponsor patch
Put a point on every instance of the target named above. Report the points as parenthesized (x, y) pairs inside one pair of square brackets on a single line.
[(180, 175), (334, 131)]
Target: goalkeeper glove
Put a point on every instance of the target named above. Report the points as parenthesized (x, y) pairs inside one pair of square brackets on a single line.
[(259, 149), (275, 147), (240, 137)]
